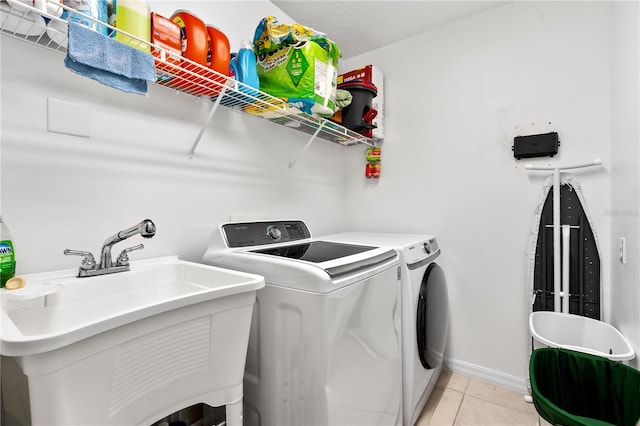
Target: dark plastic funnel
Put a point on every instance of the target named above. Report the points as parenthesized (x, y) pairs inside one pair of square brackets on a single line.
[(358, 115)]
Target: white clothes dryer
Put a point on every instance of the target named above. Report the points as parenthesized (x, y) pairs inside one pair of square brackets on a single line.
[(325, 341), (424, 312)]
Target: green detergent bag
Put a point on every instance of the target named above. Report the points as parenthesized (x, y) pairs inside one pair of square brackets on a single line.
[(297, 64)]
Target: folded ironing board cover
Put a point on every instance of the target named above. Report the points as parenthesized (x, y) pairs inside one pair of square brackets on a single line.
[(585, 270), (574, 388)]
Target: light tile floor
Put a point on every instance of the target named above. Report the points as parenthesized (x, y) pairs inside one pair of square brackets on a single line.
[(462, 400)]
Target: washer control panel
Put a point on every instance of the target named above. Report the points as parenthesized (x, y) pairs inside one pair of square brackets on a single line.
[(247, 234), (274, 233)]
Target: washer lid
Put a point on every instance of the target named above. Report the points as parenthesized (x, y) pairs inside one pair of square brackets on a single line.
[(336, 259), (315, 251)]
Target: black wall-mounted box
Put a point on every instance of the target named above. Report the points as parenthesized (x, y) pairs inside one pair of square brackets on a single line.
[(542, 145)]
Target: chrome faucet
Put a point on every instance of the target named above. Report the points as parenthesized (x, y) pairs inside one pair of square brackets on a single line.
[(146, 229), (89, 268)]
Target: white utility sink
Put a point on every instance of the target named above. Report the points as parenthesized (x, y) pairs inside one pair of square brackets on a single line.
[(130, 347)]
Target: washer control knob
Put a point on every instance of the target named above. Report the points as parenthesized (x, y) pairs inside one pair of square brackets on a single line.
[(274, 233), (426, 247)]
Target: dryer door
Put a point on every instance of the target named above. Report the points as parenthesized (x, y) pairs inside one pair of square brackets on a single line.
[(432, 317)]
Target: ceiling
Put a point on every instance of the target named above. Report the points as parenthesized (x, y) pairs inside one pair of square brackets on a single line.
[(361, 26)]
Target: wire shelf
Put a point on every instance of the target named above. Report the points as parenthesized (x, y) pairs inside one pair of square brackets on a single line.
[(173, 71)]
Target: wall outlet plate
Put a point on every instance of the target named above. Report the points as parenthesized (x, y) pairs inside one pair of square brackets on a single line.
[(68, 118)]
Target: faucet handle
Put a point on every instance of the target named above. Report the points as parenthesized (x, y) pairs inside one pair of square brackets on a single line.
[(88, 262), (123, 258)]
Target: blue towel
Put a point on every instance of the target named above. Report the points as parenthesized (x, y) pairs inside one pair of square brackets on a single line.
[(107, 60)]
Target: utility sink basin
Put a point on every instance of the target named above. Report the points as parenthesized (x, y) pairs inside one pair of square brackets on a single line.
[(130, 347), (55, 309)]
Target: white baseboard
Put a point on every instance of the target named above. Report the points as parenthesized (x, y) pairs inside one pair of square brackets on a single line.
[(507, 381)]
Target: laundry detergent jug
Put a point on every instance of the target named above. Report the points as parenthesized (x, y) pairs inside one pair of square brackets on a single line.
[(244, 68), (194, 79), (132, 17)]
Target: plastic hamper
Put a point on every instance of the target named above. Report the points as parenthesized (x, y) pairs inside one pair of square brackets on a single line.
[(574, 388)]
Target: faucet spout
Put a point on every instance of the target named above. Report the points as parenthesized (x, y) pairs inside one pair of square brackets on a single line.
[(146, 229)]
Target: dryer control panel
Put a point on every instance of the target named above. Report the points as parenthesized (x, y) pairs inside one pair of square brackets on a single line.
[(247, 234), (418, 252)]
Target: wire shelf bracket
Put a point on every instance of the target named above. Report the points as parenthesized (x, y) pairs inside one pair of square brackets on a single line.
[(214, 107), (313, 137)]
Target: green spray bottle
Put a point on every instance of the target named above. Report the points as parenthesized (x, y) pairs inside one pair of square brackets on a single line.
[(7, 255)]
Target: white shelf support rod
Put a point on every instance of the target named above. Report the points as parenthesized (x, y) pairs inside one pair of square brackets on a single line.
[(596, 162), (556, 240), (313, 137), (206, 122), (559, 282), (566, 234)]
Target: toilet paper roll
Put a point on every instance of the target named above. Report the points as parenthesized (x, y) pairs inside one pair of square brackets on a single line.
[(18, 19), (50, 7), (57, 30)]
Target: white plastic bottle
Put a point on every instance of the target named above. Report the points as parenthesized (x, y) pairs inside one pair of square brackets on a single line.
[(7, 255)]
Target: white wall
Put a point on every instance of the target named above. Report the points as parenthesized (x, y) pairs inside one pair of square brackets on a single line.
[(455, 98), (62, 191), (625, 163)]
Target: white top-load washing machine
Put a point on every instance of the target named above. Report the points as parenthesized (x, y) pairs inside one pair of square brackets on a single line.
[(424, 312), (325, 342)]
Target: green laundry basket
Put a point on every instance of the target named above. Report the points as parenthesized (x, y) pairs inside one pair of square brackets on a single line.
[(574, 388)]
